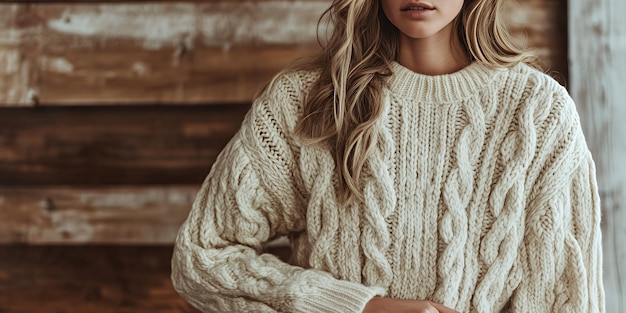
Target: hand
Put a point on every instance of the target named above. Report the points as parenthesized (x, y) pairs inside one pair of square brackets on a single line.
[(388, 305)]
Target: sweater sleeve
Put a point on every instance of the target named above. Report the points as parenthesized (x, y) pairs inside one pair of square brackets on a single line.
[(250, 196), (561, 256)]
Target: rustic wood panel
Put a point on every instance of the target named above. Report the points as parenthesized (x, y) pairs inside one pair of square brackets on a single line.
[(209, 52), (121, 215), (114, 215), (113, 145), (93, 279), (215, 52), (598, 72), (207, 75)]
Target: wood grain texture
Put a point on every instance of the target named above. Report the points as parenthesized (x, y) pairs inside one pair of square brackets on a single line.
[(114, 215), (150, 52), (94, 279), (90, 279), (17, 70), (598, 72), (187, 52), (113, 145)]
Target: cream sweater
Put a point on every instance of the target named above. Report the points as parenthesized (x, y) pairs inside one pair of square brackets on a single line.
[(481, 195)]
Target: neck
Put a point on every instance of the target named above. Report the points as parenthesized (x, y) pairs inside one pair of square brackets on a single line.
[(439, 54)]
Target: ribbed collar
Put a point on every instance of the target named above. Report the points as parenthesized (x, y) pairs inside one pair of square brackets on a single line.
[(440, 88)]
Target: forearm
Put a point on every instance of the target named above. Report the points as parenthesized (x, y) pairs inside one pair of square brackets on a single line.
[(236, 279)]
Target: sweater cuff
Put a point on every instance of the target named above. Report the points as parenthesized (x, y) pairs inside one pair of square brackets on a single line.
[(330, 295)]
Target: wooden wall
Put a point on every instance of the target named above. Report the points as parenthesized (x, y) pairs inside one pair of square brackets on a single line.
[(172, 52), (80, 83), (195, 52), (598, 74), (111, 114)]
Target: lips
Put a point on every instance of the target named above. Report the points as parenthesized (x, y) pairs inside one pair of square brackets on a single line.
[(417, 6)]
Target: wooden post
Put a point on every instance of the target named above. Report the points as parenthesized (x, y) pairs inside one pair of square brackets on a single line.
[(597, 37)]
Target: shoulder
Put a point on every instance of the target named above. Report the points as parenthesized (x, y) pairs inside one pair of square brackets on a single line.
[(283, 97), (547, 106), (539, 93), (275, 112), (533, 79), (301, 80), (539, 110), (290, 85)]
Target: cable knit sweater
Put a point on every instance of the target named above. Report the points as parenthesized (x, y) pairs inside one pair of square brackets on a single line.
[(480, 195)]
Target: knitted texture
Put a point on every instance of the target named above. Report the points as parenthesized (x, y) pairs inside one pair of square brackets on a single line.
[(480, 195)]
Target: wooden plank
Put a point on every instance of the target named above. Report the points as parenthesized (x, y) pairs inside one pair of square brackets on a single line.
[(210, 75), (190, 52), (113, 145), (217, 52), (598, 71), (113, 215), (145, 53), (95, 279)]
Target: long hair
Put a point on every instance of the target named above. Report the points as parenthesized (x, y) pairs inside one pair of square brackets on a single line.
[(345, 103)]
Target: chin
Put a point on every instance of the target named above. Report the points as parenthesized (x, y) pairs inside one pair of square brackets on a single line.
[(419, 34)]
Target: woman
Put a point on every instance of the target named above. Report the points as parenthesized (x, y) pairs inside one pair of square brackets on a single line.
[(418, 164)]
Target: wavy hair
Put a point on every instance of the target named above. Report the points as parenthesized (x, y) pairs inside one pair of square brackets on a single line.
[(345, 103)]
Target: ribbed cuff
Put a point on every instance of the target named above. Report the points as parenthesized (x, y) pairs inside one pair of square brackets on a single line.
[(330, 295)]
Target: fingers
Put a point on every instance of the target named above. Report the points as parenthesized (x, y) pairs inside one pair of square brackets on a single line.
[(443, 309)]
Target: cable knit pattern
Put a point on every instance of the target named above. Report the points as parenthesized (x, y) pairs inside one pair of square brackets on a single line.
[(480, 195)]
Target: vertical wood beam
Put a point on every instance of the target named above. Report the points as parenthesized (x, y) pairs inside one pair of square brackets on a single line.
[(597, 37)]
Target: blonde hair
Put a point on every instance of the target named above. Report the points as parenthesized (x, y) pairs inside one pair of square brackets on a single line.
[(345, 102)]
